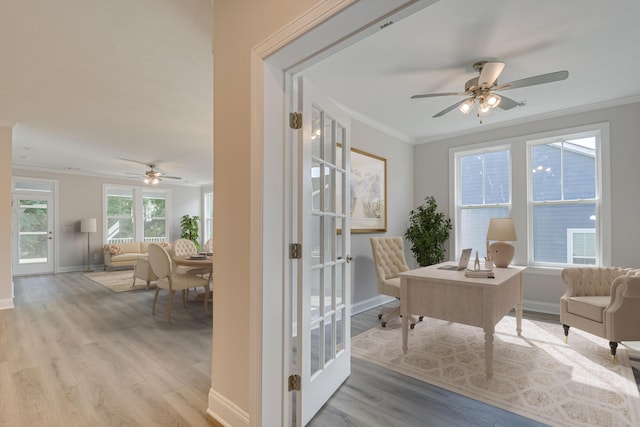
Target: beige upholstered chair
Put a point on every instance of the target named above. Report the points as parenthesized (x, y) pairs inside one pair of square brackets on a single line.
[(167, 279), (208, 247), (389, 261), (185, 247), (603, 301), (142, 270)]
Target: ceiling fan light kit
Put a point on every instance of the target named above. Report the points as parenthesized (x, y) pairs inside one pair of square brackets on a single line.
[(152, 176), (482, 89)]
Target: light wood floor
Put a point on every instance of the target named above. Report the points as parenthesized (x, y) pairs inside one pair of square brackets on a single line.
[(73, 353)]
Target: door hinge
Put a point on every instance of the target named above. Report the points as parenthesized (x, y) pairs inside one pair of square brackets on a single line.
[(295, 120), (294, 382), (295, 250)]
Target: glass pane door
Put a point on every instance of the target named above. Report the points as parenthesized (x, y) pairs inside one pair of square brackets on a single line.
[(33, 234)]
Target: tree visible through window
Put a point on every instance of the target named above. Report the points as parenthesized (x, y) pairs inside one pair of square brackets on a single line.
[(120, 220), (135, 214)]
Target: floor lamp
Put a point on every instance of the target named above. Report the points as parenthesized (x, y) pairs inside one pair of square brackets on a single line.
[(88, 225)]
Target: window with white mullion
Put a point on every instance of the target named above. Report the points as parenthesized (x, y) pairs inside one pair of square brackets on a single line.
[(564, 181), (483, 192)]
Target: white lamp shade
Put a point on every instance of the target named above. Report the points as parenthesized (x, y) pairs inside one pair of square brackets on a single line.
[(88, 225), (501, 229)]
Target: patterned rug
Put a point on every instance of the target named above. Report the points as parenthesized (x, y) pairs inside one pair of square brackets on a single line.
[(118, 280), (537, 375)]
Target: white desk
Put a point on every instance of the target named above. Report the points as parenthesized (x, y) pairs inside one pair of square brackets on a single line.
[(449, 295)]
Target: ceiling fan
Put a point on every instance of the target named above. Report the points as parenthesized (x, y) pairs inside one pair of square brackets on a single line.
[(482, 89), (153, 176)]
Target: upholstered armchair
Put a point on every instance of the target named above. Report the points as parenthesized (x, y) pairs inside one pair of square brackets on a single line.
[(603, 301), (389, 261)]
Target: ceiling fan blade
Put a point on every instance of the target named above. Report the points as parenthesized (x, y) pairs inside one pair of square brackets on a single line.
[(169, 177), (446, 110), (534, 80), (508, 103), (489, 74), (431, 95)]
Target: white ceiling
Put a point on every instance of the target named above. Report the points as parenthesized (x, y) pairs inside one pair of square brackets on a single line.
[(434, 50), (91, 84)]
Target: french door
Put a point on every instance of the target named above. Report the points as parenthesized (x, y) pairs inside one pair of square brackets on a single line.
[(322, 348), (33, 225)]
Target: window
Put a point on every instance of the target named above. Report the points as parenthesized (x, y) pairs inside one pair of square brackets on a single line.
[(484, 192), (135, 214), (564, 196), (120, 219), (154, 216), (550, 184), (208, 216), (581, 246)]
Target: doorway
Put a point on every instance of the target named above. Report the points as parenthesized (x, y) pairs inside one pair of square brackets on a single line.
[(32, 226)]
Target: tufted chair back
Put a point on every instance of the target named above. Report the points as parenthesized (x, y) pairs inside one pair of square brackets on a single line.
[(591, 282), (184, 247), (388, 257)]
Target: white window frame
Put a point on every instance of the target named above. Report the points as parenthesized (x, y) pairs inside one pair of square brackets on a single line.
[(570, 233), (602, 198), (138, 210), (207, 216), (458, 153), (521, 192)]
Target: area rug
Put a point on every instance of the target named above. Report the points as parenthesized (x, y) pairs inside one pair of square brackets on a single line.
[(536, 375), (118, 281)]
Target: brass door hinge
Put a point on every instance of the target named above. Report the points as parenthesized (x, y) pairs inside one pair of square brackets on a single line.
[(295, 120), (294, 382), (295, 251)]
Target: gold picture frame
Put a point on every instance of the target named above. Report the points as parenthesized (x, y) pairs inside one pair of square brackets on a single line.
[(368, 210)]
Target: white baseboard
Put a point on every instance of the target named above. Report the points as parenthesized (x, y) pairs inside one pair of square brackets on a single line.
[(542, 307), (370, 303), (226, 412), (6, 303)]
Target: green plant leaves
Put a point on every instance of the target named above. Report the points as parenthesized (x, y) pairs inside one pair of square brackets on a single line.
[(428, 232)]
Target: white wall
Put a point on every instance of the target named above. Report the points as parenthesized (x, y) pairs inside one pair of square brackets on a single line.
[(6, 288), (542, 290), (80, 196), (399, 155)]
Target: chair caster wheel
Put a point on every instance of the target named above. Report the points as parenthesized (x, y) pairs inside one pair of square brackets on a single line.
[(420, 318), (413, 325), (379, 316), (384, 324)]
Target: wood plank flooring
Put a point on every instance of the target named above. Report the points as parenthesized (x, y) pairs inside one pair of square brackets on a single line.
[(73, 353)]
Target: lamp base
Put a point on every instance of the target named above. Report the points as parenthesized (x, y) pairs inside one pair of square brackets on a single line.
[(501, 253)]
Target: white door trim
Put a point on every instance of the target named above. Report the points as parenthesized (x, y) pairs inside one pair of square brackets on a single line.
[(309, 38)]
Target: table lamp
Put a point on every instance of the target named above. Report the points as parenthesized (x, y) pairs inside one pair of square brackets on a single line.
[(88, 225), (501, 252)]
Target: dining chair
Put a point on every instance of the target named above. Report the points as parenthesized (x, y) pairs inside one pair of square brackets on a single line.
[(168, 279), (185, 247)]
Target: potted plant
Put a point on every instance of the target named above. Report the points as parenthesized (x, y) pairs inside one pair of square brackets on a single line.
[(428, 232), (190, 229)]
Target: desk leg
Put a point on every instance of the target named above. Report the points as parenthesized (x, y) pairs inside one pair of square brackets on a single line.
[(488, 349), (405, 333), (519, 319)]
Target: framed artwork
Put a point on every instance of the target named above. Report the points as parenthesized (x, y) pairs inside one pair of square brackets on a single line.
[(368, 192)]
